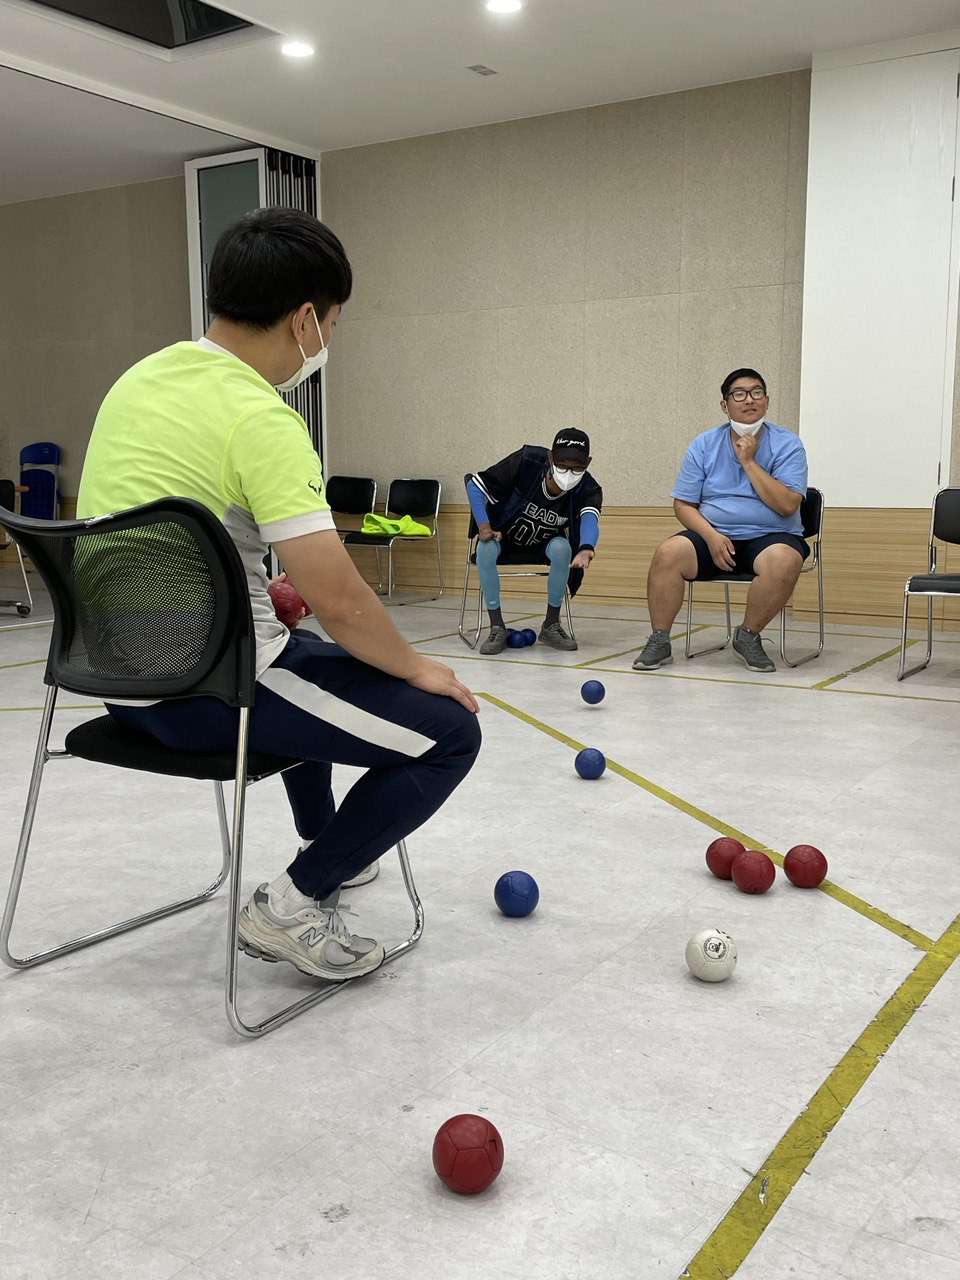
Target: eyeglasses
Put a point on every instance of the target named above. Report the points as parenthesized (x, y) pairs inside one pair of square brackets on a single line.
[(577, 468), (741, 393)]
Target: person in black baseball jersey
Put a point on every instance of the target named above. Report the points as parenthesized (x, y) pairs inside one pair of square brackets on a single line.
[(544, 502)]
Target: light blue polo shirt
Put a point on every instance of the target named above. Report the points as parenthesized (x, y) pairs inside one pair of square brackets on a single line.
[(711, 476)]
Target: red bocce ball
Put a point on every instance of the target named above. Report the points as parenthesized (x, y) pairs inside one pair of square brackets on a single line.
[(805, 866), (467, 1154), (720, 856), (752, 872)]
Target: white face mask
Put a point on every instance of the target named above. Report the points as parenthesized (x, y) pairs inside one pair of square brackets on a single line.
[(566, 479), (746, 428), (310, 363)]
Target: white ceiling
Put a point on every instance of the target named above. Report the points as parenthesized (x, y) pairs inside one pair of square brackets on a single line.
[(397, 68), (55, 140)]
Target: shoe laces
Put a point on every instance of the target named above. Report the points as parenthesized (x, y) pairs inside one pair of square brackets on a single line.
[(336, 926)]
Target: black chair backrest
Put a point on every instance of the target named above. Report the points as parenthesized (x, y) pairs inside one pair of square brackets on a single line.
[(413, 498), (811, 513), (8, 500), (946, 515), (151, 602), (353, 495)]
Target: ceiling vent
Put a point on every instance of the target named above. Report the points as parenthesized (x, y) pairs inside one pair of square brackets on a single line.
[(481, 70), (166, 24)]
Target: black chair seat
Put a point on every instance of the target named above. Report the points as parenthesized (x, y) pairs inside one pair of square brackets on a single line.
[(518, 556), (356, 538), (728, 577), (106, 742), (947, 584)]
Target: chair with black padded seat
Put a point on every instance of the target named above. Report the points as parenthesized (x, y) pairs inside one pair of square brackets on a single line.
[(944, 527), (419, 499), (351, 496), (152, 603), (508, 556), (811, 516), (24, 606)]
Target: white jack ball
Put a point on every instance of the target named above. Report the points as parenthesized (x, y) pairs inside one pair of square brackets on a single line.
[(711, 955)]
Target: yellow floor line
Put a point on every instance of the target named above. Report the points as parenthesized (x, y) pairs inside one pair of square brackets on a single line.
[(636, 648), (908, 697), (742, 1226), (825, 684), (64, 706), (32, 662), (835, 891)]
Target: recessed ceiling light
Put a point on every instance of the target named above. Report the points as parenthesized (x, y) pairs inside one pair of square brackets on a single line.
[(504, 6), (297, 49)]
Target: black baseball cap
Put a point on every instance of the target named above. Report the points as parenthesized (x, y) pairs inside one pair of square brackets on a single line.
[(572, 444)]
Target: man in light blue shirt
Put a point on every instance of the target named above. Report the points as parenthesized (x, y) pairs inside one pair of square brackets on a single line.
[(738, 494)]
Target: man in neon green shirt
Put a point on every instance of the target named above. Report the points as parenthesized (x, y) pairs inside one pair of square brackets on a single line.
[(203, 420)]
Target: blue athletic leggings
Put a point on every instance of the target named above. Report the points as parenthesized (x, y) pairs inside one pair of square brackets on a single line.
[(557, 551), (320, 705)]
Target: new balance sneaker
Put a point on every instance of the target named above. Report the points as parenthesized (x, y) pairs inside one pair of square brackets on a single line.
[(656, 653), (315, 940), (748, 647), (554, 635), (364, 876), (496, 641)]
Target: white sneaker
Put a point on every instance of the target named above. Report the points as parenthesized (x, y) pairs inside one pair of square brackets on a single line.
[(316, 940), (364, 876)]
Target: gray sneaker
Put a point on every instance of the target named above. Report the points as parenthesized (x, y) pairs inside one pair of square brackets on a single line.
[(363, 877), (656, 653), (496, 641), (555, 636), (748, 647), (316, 940)]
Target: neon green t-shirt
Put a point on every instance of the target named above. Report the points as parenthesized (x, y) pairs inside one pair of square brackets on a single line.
[(194, 421)]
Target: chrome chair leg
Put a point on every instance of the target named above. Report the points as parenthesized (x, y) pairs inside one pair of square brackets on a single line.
[(566, 598), (461, 625), (902, 673), (43, 755), (698, 653), (814, 653)]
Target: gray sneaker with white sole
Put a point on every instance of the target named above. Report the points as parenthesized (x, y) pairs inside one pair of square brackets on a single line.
[(496, 641), (316, 940), (554, 635), (748, 646), (656, 653)]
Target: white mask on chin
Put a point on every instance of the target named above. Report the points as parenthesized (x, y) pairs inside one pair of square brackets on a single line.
[(310, 363), (566, 479), (746, 428)]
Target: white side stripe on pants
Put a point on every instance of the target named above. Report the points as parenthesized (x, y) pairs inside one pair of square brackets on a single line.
[(343, 715)]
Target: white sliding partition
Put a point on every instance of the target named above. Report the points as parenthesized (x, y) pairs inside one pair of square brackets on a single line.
[(880, 277)]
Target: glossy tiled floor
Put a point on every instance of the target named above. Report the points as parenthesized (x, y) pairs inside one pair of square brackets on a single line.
[(141, 1138)]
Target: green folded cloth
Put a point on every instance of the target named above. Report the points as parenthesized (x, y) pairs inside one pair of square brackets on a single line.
[(406, 526)]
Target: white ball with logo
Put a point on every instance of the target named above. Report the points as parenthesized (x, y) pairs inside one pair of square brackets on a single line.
[(711, 955)]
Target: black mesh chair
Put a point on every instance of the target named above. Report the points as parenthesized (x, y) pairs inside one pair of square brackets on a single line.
[(152, 603), (515, 556), (351, 496), (944, 527), (23, 606), (419, 499), (811, 516)]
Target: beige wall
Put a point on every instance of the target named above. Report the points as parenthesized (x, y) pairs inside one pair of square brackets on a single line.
[(601, 268), (89, 284)]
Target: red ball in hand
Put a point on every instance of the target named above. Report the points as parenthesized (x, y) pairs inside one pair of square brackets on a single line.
[(467, 1154), (288, 604), (805, 866), (752, 872), (720, 856)]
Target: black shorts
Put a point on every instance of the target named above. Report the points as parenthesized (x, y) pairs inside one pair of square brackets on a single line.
[(746, 551)]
